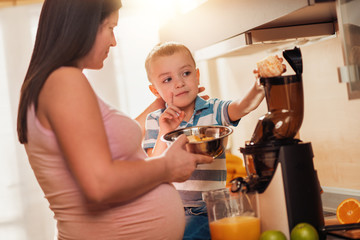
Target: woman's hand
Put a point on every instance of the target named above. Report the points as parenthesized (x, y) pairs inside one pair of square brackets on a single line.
[(205, 97), (179, 163)]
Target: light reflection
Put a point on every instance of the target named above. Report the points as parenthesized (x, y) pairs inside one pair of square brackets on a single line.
[(188, 5), (9, 179), (136, 34), (164, 10)]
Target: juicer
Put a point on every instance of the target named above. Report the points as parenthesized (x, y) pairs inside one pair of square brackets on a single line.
[(280, 166)]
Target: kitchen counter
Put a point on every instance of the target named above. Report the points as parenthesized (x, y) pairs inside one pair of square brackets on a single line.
[(350, 234), (329, 237), (331, 198), (332, 237)]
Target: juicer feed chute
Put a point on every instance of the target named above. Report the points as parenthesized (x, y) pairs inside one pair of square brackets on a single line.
[(285, 103)]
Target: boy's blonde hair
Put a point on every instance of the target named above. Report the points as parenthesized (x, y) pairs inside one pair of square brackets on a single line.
[(165, 49)]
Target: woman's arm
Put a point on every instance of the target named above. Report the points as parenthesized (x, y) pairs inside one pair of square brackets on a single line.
[(69, 107), (158, 103)]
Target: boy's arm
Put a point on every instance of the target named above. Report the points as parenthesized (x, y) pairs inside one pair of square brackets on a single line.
[(241, 107), (158, 149), (169, 120)]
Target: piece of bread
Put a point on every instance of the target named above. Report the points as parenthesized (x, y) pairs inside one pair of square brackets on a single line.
[(271, 67)]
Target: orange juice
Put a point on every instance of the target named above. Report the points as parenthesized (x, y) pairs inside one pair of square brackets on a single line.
[(235, 228)]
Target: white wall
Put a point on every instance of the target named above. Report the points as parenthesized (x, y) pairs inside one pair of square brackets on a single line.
[(21, 199)]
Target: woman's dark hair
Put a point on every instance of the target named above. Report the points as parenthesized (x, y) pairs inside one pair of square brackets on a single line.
[(66, 32)]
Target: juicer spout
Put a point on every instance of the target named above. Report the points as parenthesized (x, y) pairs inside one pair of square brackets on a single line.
[(249, 184)]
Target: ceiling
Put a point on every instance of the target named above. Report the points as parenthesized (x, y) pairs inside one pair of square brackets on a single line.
[(9, 3)]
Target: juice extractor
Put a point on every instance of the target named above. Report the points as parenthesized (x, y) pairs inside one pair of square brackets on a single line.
[(279, 165)]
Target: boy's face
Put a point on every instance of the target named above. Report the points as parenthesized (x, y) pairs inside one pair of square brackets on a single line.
[(175, 79)]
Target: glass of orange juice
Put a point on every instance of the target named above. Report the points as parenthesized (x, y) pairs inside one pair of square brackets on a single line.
[(232, 215)]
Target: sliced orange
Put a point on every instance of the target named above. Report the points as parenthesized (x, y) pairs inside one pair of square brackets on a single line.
[(348, 211)]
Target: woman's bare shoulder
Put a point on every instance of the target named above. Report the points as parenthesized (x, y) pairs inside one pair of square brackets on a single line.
[(65, 85), (67, 79)]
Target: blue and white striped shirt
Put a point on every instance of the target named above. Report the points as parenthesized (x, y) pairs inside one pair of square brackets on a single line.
[(206, 176)]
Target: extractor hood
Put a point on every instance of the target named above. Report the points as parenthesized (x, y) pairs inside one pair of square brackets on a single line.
[(225, 27)]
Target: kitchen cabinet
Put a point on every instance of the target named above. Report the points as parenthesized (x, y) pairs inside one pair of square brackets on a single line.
[(349, 27), (220, 28), (11, 3), (218, 21)]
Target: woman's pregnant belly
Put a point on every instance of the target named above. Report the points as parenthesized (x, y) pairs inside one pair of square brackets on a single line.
[(158, 214)]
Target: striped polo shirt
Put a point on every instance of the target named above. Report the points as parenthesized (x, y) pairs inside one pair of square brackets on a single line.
[(206, 176)]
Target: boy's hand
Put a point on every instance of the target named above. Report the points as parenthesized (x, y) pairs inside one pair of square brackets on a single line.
[(171, 118)]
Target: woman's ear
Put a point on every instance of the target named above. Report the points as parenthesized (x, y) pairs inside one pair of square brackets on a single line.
[(154, 91)]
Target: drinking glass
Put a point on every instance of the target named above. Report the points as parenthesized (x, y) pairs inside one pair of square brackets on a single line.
[(232, 216)]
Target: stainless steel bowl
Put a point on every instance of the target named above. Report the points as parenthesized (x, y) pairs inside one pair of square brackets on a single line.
[(213, 147)]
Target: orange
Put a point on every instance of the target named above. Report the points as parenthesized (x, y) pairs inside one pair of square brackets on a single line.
[(235, 168), (348, 211)]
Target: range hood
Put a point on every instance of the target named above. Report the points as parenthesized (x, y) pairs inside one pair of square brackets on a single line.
[(226, 27)]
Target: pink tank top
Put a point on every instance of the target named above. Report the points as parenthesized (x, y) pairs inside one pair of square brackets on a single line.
[(156, 215)]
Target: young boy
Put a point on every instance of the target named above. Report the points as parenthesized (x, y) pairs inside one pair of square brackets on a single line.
[(173, 75)]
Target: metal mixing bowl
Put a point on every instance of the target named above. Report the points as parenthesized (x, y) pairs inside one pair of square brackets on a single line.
[(213, 147)]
